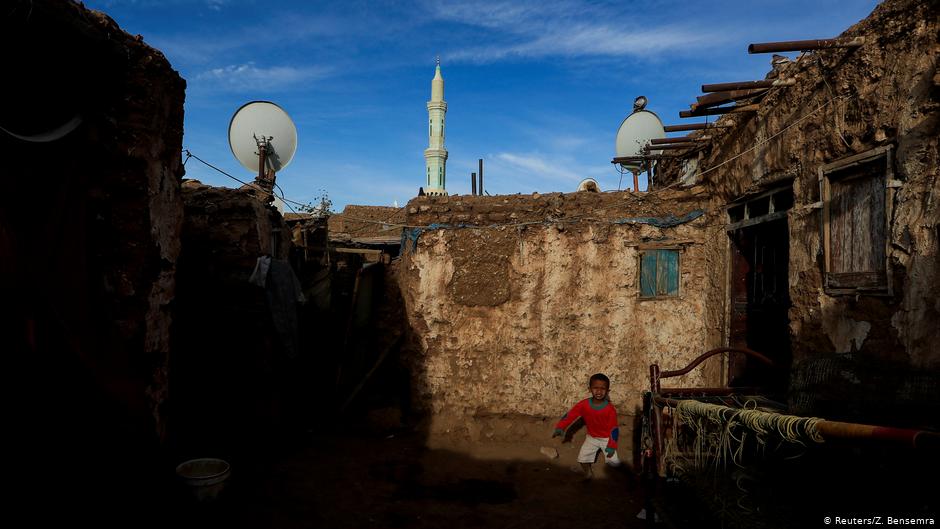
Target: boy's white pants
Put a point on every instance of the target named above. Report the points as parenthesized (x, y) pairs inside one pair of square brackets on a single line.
[(589, 451)]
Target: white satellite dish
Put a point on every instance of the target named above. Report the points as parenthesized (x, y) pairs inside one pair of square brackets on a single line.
[(262, 122), (589, 184), (634, 135)]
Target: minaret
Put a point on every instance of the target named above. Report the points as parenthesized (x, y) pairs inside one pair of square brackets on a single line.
[(435, 156)]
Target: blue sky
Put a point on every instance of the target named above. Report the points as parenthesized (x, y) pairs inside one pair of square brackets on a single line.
[(537, 89)]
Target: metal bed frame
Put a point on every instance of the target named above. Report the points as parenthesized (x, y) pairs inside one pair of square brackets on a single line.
[(658, 398)]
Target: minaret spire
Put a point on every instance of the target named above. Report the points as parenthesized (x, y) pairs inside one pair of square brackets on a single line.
[(435, 156)]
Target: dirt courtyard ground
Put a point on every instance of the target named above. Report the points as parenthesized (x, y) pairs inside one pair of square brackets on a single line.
[(385, 479)]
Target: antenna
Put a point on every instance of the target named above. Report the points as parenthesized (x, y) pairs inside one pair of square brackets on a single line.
[(263, 139), (634, 136)]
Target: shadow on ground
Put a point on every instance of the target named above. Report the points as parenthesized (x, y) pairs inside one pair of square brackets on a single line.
[(392, 480)]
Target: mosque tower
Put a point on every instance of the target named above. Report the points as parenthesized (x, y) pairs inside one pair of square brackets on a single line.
[(435, 156)]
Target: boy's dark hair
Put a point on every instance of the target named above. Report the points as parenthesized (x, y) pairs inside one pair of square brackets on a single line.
[(599, 376)]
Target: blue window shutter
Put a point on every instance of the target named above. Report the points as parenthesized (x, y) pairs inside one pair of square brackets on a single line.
[(659, 273), (668, 266), (648, 274)]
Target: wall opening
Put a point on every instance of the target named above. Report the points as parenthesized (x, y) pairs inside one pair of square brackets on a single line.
[(760, 302)]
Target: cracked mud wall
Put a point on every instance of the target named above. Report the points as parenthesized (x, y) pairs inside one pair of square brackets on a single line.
[(92, 219), (511, 321), (89, 238), (886, 93)]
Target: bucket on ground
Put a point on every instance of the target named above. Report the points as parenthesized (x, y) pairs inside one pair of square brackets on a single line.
[(205, 477)]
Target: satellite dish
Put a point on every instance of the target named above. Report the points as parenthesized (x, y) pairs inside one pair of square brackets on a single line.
[(51, 134), (262, 121), (589, 184), (635, 133)]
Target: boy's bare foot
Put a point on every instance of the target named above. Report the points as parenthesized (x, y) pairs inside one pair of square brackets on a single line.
[(583, 470)]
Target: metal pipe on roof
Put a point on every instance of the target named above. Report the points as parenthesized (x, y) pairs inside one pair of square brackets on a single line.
[(668, 146), (747, 85), (678, 139), (696, 126), (805, 45), (720, 98), (473, 183), (481, 176), (629, 159), (718, 111), (667, 141)]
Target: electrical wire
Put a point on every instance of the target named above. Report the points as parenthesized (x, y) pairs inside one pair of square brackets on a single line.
[(549, 221), (764, 142), (282, 197), (283, 200)]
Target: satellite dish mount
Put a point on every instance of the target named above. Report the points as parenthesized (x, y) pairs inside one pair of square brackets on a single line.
[(265, 178), (634, 151)]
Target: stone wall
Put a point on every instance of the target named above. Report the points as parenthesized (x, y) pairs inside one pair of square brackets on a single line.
[(844, 102), (519, 299)]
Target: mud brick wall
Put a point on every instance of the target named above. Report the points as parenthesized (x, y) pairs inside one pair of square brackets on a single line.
[(230, 366), (366, 221), (524, 297), (855, 356), (89, 240)]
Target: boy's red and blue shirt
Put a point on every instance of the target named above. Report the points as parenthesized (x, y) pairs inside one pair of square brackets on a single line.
[(601, 420)]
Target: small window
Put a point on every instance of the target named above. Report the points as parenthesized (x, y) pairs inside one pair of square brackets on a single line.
[(856, 206), (765, 207), (758, 207), (659, 273)]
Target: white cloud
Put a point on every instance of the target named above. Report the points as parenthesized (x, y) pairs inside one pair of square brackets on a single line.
[(567, 143), (346, 183), (194, 49), (248, 77), (214, 5), (569, 29), (487, 14), (536, 165), (587, 39), (290, 28), (514, 172)]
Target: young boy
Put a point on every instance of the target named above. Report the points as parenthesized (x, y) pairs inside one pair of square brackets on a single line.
[(600, 417)]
